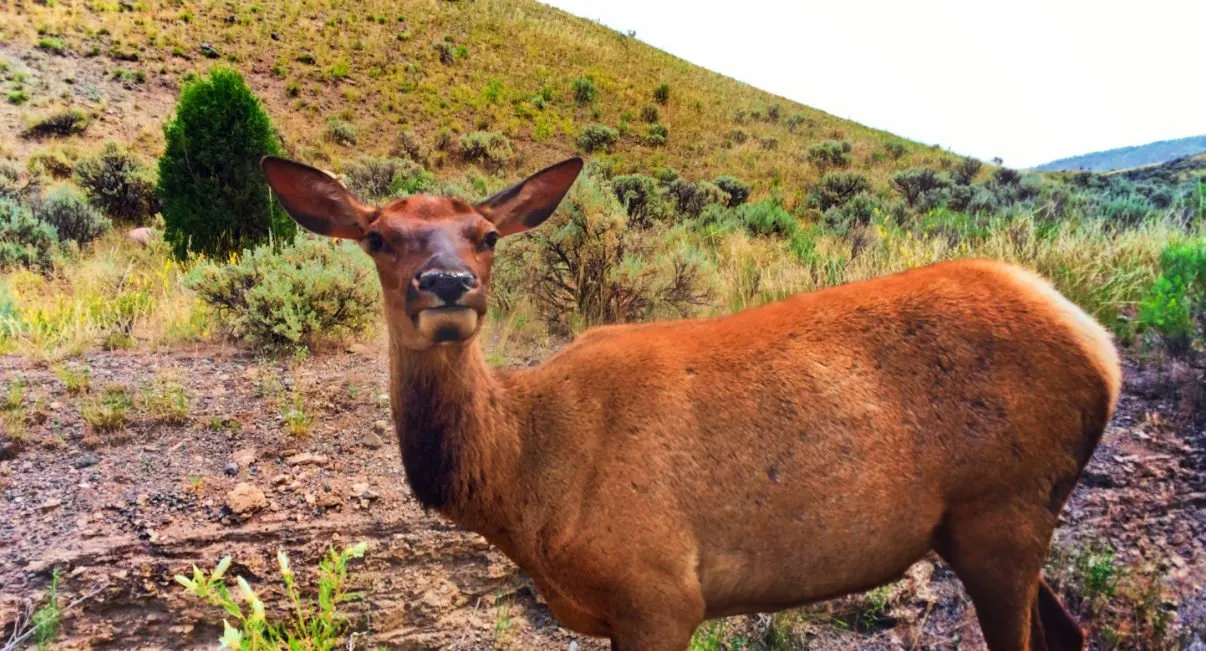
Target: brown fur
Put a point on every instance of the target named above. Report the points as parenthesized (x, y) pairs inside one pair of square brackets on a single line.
[(650, 476)]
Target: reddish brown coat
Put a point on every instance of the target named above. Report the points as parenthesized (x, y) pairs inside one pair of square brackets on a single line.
[(651, 476)]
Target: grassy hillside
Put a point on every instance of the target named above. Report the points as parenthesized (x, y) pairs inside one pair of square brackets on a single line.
[(1127, 157), (342, 79)]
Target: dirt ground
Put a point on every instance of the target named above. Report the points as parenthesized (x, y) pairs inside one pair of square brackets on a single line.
[(121, 513)]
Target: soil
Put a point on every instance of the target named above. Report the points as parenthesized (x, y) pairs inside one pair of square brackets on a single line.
[(122, 513)]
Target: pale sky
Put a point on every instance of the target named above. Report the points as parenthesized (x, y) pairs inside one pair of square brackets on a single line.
[(1026, 80)]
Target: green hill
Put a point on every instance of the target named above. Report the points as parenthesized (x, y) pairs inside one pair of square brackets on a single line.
[(1127, 157), (341, 79)]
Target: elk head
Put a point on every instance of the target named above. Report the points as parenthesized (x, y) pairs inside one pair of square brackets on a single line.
[(433, 254)]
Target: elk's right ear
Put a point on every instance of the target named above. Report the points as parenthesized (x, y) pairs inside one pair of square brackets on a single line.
[(317, 200)]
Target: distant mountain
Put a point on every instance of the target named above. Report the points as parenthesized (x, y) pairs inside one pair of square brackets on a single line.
[(1127, 157)]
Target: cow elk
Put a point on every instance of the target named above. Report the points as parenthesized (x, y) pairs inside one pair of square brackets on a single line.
[(648, 477)]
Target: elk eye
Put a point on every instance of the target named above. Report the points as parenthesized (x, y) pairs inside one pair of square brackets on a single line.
[(375, 242), (489, 240)]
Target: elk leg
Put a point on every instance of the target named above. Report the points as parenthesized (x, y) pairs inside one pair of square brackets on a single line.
[(659, 622), (997, 553)]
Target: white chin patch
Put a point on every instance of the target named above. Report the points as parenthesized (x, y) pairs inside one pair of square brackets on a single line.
[(443, 325)]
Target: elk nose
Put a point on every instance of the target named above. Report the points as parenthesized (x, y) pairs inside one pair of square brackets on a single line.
[(450, 286)]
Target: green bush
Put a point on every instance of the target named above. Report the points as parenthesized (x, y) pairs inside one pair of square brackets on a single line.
[(597, 136), (858, 210), (309, 289), (641, 199), (73, 218), (342, 132), (692, 198), (829, 153), (118, 184), (649, 114), (895, 150), (658, 134), (767, 217), (66, 122), (381, 178), (914, 184), (836, 188), (215, 199), (737, 191), (1126, 211), (661, 94), (25, 240), (586, 265), (486, 147), (1176, 301), (794, 120), (585, 90), (966, 170)]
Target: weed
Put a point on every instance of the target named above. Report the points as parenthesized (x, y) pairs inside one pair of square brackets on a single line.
[(502, 622), (14, 395), (165, 401), (75, 379), (46, 619), (295, 418), (310, 623), (107, 411)]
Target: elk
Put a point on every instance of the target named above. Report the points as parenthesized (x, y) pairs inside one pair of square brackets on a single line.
[(648, 477)]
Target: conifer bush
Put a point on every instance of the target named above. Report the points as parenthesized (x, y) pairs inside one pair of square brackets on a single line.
[(117, 183), (215, 199)]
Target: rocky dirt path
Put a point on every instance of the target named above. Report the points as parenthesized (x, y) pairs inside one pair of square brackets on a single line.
[(298, 455)]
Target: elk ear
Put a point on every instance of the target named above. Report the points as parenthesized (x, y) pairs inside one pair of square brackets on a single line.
[(317, 200), (527, 204)]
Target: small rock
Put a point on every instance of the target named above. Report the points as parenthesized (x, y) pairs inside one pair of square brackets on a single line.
[(329, 499), (244, 457), (245, 499), (381, 426), (232, 468), (372, 441), (359, 349), (85, 460), (141, 235), (306, 458), (310, 499), (280, 479), (51, 504)]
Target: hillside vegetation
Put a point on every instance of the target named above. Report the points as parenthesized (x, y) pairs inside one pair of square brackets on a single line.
[(379, 76), (700, 197), (1122, 158)]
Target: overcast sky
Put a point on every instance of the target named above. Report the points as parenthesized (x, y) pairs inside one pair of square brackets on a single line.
[(1026, 80)]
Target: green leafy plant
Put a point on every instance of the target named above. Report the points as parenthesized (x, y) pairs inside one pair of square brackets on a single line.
[(830, 153), (46, 619), (73, 218), (107, 411), (117, 183), (1176, 300), (288, 297), (585, 90), (215, 199), (487, 147), (597, 136), (25, 240), (75, 379), (310, 624)]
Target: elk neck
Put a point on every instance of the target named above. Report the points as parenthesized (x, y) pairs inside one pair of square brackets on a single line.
[(459, 432)]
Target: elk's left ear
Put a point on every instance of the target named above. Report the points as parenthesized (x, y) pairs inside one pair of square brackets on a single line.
[(527, 204), (317, 200)]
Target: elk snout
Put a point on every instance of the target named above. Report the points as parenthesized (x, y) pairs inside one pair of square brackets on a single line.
[(448, 286)]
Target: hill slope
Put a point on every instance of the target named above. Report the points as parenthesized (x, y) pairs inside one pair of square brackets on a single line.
[(1126, 157), (435, 68)]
